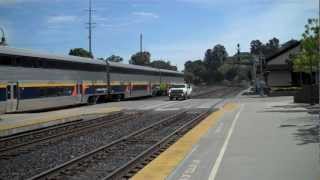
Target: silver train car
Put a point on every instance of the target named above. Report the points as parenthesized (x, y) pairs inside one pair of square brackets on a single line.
[(34, 81)]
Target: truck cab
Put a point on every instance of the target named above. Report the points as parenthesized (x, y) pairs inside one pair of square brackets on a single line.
[(180, 91)]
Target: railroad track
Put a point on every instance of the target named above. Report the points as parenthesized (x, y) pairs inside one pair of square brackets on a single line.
[(116, 159), (35, 137), (221, 92), (74, 146)]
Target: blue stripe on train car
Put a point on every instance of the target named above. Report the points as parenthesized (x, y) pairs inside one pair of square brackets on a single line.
[(118, 89)]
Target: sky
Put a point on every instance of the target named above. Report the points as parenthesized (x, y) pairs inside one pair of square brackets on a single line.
[(175, 30)]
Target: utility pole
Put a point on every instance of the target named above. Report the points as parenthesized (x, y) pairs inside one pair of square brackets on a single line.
[(90, 26), (141, 39), (238, 52), (141, 53), (319, 55), (261, 65)]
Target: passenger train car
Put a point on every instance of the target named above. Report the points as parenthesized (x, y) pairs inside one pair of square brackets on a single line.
[(34, 81)]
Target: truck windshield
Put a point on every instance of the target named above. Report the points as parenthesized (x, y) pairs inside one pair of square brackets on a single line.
[(178, 86)]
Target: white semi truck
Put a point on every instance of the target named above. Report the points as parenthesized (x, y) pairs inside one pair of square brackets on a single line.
[(180, 91)]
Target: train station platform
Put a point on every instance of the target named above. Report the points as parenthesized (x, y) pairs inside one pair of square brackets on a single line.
[(251, 138), (20, 122)]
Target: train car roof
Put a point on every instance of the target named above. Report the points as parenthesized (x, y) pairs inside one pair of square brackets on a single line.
[(25, 52)]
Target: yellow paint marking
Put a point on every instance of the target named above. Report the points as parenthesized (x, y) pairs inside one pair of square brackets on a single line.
[(163, 165), (54, 116)]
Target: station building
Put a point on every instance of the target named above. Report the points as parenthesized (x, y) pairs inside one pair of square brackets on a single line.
[(279, 68)]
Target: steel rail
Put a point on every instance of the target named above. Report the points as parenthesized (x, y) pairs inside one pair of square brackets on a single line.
[(86, 155), (131, 164), (80, 129)]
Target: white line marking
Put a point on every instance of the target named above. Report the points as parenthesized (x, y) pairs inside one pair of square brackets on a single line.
[(217, 164)]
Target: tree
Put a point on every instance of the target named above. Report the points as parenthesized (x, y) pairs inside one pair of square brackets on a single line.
[(215, 57), (307, 59), (268, 49), (141, 58), (271, 47), (114, 58), (195, 71), (256, 46), (161, 64), (229, 71), (80, 52)]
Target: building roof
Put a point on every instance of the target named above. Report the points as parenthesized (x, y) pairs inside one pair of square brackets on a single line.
[(30, 53), (277, 67), (284, 50)]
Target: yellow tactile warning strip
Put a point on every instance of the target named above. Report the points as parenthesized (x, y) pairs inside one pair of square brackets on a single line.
[(55, 116), (163, 165)]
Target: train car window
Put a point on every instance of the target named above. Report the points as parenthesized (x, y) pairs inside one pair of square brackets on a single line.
[(26, 62), (9, 92), (15, 92), (42, 92), (132, 71), (3, 94), (139, 87), (118, 88), (19, 61), (6, 60), (36, 63)]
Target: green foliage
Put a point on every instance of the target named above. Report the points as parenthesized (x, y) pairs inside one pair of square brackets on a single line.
[(307, 59), (216, 67), (161, 64), (195, 71), (114, 58), (141, 58), (80, 52), (271, 47), (215, 57), (229, 71), (256, 46), (216, 76), (235, 72)]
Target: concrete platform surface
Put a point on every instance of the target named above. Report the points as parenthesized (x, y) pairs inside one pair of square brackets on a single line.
[(264, 138)]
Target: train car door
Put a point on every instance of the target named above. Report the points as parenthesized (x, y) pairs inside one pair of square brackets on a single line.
[(130, 88), (12, 97), (79, 91)]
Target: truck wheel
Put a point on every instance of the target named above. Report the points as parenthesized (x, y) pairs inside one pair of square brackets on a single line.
[(184, 97), (170, 98)]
